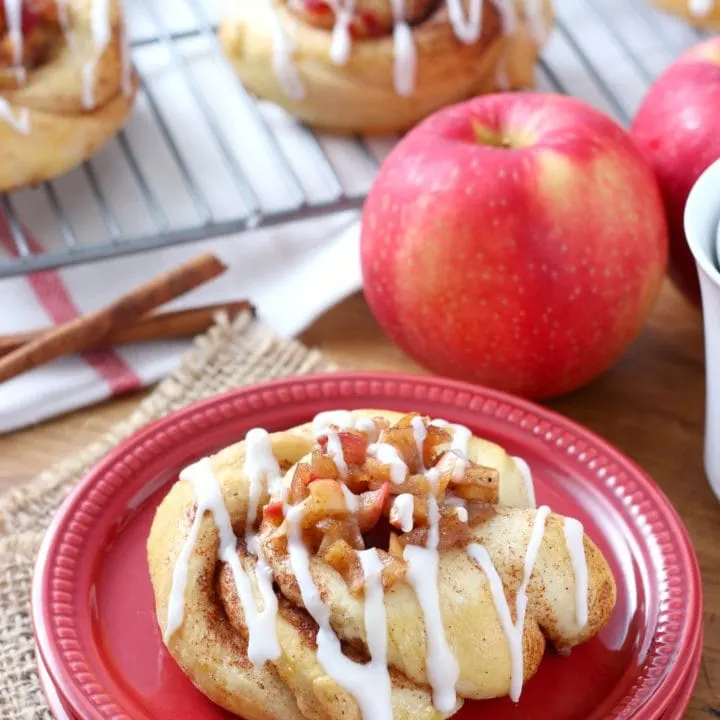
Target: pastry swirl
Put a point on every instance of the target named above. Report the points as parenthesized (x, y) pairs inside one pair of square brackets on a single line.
[(372, 566), (379, 66), (66, 85)]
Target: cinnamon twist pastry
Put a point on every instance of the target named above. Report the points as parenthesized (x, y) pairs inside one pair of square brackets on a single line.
[(379, 66), (370, 566), (66, 85), (701, 13)]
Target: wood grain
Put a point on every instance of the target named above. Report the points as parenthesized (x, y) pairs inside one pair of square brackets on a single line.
[(650, 405)]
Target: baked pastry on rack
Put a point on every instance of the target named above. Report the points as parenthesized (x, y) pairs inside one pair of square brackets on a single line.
[(370, 566), (66, 85), (701, 13), (379, 66)]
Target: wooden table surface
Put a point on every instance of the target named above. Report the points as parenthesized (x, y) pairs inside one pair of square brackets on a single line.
[(650, 405)]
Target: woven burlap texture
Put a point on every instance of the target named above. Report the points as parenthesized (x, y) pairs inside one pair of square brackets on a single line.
[(227, 356)]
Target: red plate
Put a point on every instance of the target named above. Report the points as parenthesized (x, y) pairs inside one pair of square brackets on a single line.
[(92, 602)]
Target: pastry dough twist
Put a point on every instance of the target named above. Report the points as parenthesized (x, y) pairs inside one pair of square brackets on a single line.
[(379, 66), (280, 619), (68, 86)]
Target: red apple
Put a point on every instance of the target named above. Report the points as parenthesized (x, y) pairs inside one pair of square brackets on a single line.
[(516, 240), (677, 130)]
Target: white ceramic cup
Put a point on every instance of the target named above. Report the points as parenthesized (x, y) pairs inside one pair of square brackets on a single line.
[(702, 226)]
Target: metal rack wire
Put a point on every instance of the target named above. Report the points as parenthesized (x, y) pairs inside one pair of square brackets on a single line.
[(201, 158)]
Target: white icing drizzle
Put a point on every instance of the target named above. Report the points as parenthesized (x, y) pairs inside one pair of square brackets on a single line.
[(13, 14), (388, 455), (422, 574), (283, 48), (508, 15), (536, 20), (322, 422), (481, 556), (574, 538), (342, 420), (100, 29), (405, 52), (462, 513), (341, 41), (459, 444), (701, 8), (63, 17), (466, 28), (262, 637), (365, 424), (126, 77), (441, 665), (335, 451), (401, 512), (351, 500), (367, 683), (526, 473), (262, 470), (513, 631), (433, 538), (376, 625), (18, 121), (420, 433)]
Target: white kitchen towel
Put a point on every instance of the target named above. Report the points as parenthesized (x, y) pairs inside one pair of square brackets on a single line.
[(291, 274), (184, 156)]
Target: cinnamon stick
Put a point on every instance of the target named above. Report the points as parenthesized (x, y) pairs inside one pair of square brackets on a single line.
[(87, 331), (158, 326)]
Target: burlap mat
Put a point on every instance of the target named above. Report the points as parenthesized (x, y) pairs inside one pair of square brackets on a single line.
[(228, 356)]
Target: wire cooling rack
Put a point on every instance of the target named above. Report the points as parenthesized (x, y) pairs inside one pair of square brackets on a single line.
[(201, 158)]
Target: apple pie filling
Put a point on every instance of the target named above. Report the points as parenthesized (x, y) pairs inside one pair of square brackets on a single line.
[(383, 487)]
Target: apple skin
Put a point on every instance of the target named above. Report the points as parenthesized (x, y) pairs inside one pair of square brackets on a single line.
[(528, 264), (677, 130)]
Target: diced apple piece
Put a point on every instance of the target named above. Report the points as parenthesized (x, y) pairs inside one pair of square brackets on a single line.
[(326, 501), (354, 446), (371, 507), (277, 540), (395, 547), (299, 484), (343, 558), (378, 474), (435, 444), (478, 483), (403, 440), (479, 512), (451, 532), (394, 569), (415, 485), (357, 479), (340, 529), (323, 467), (406, 420), (273, 510)]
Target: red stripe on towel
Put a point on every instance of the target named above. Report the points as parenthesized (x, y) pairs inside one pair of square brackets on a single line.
[(53, 295)]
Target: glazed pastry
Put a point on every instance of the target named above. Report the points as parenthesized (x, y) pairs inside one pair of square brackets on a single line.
[(378, 66), (369, 566), (701, 13), (66, 85)]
